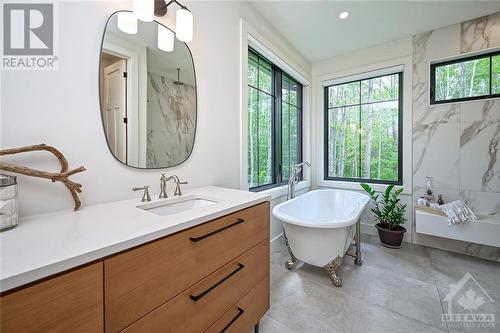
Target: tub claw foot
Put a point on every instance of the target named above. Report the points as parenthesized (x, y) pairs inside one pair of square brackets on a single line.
[(292, 262), (331, 268), (358, 260)]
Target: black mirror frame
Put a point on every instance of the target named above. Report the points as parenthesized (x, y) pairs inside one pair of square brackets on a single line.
[(100, 98)]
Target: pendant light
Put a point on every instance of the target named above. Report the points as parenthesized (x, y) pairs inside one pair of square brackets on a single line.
[(127, 23), (183, 19), (165, 39), (184, 25), (143, 9)]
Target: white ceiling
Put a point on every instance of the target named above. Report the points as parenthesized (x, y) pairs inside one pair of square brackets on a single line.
[(315, 30)]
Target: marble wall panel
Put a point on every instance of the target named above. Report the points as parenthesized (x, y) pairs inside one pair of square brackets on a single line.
[(458, 143), (480, 156), (171, 121), (481, 33), (436, 154), (436, 44), (483, 203)]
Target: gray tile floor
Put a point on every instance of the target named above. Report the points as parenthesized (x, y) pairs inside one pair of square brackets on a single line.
[(394, 291)]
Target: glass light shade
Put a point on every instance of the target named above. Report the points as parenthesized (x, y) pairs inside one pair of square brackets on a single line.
[(144, 9), (165, 39), (127, 23), (344, 15), (184, 25)]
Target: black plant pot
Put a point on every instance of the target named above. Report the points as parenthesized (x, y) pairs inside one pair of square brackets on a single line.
[(390, 238)]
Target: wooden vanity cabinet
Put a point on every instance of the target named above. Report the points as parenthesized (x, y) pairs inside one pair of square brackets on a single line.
[(70, 302), (141, 280), (244, 314), (196, 308), (196, 280)]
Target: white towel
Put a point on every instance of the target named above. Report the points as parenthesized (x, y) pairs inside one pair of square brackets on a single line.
[(458, 212)]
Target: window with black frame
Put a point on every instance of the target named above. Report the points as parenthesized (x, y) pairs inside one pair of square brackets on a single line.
[(363, 125), (464, 79), (274, 123)]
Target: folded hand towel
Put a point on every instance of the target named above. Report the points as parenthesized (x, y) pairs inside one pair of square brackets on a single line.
[(458, 212)]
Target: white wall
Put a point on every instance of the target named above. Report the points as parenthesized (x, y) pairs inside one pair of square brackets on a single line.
[(61, 108)]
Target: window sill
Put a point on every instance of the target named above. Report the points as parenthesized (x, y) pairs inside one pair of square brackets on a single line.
[(357, 186), (280, 191)]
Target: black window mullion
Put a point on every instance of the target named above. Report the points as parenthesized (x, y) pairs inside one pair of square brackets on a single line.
[(262, 91), (257, 121), (299, 129), (289, 129), (326, 133), (277, 128), (359, 133), (400, 129), (365, 103)]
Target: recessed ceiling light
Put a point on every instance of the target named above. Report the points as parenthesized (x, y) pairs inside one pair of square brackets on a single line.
[(344, 15)]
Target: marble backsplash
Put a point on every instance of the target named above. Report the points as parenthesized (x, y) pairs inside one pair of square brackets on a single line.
[(457, 144), (171, 121)]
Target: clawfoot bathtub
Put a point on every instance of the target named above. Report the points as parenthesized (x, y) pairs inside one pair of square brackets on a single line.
[(319, 227)]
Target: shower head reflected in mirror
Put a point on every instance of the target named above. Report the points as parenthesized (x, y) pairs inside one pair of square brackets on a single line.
[(178, 82)]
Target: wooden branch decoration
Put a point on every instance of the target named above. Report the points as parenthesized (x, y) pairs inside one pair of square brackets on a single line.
[(61, 176)]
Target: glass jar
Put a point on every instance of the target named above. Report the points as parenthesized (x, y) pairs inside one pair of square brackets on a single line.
[(8, 202)]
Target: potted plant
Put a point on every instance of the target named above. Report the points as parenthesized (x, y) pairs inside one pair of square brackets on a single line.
[(389, 213)]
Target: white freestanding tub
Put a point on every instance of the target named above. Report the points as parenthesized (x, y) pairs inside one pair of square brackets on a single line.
[(320, 225)]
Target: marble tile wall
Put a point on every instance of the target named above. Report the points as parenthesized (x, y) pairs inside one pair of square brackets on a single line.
[(171, 121), (457, 144)]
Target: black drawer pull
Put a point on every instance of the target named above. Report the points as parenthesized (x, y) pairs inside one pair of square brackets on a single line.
[(196, 298), (240, 312), (197, 239)]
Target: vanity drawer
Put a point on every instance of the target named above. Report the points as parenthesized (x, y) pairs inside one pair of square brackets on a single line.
[(199, 306), (243, 316), (70, 302), (142, 279)]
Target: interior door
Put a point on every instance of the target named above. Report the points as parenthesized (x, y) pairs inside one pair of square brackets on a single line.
[(115, 108)]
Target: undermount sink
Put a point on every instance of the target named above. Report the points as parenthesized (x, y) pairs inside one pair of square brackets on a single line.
[(177, 205)]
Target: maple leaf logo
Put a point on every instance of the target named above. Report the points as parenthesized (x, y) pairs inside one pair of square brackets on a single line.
[(470, 301)]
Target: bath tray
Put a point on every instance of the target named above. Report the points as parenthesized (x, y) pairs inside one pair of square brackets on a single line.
[(430, 210)]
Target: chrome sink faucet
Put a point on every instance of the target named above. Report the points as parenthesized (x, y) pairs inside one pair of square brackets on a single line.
[(163, 185), (295, 170)]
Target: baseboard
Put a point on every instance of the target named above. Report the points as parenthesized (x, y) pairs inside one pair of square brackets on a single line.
[(277, 242)]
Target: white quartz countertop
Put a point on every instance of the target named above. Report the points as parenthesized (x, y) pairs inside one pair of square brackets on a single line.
[(47, 244)]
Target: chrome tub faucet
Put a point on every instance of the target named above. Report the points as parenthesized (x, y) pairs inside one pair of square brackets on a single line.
[(295, 170)]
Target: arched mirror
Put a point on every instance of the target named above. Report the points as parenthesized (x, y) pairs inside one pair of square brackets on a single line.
[(147, 93)]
